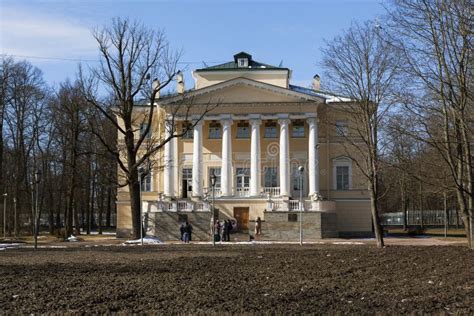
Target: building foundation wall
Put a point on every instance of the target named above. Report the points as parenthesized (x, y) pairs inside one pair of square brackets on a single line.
[(165, 225), (316, 225)]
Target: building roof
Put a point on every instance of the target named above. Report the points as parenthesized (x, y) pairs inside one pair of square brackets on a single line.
[(329, 96), (242, 81), (232, 65)]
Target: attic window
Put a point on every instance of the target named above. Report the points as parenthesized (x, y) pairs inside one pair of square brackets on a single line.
[(243, 62)]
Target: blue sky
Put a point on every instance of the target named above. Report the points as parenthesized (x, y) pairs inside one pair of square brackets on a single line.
[(209, 31)]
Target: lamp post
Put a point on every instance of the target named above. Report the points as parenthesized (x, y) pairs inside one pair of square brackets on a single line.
[(213, 179), (141, 173), (36, 216), (301, 170), (5, 215), (14, 216)]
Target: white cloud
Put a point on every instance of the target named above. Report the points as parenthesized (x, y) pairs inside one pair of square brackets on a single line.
[(27, 34)]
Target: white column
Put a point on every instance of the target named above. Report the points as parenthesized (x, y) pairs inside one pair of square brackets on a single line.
[(169, 161), (226, 168), (284, 157), (255, 158), (313, 157), (197, 159)]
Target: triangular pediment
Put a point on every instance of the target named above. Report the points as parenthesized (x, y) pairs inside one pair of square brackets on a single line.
[(243, 90)]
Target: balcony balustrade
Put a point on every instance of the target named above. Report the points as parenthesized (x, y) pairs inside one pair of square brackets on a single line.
[(242, 192), (272, 191)]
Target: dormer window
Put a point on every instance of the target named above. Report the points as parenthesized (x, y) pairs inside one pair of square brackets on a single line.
[(243, 62)]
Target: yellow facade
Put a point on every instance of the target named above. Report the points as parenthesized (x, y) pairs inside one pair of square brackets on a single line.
[(242, 96)]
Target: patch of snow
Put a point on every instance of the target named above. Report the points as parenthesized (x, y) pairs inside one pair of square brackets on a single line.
[(72, 238), (347, 243), (12, 245), (147, 240)]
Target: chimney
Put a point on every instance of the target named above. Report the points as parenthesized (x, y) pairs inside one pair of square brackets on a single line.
[(180, 82), (316, 83), (156, 88)]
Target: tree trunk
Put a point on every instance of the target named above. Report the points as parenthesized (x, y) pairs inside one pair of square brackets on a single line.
[(135, 206), (100, 210), (109, 207), (421, 205), (375, 217), (445, 204)]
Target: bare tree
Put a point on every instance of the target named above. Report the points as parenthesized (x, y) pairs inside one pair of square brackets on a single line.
[(28, 98), (360, 65), (130, 55), (5, 69), (70, 118), (436, 40)]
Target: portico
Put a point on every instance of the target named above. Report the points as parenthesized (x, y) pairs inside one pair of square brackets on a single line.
[(226, 159)]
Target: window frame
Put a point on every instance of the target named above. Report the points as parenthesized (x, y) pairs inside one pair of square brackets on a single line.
[(342, 128), (218, 177), (188, 178), (245, 176), (342, 162), (147, 183), (190, 131), (142, 129), (265, 129), (215, 127), (240, 126), (298, 124), (276, 179)]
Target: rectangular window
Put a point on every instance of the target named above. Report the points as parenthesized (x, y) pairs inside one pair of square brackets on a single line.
[(217, 172), (296, 179), (187, 130), (341, 128), (146, 183), (292, 217), (215, 131), (270, 130), (243, 177), (243, 130), (187, 174), (271, 177), (143, 127), (298, 129), (342, 178)]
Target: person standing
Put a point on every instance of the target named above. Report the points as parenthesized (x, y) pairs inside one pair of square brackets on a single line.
[(181, 231), (187, 232), (258, 227), (217, 231), (225, 230), (229, 229), (190, 232)]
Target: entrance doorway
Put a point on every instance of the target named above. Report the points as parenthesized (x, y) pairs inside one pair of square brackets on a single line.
[(241, 214)]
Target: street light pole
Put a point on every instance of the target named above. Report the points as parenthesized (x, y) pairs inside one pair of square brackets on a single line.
[(14, 217), (301, 170), (5, 215), (140, 174), (213, 185), (36, 216)]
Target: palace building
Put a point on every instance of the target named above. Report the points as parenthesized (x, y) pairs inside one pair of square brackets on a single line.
[(277, 152)]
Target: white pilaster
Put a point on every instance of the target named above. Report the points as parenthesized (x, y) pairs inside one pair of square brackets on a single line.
[(226, 169), (284, 157), (197, 159), (313, 157), (169, 161), (255, 157)]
